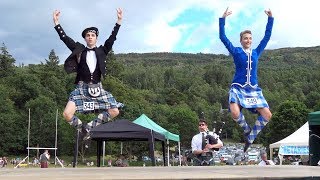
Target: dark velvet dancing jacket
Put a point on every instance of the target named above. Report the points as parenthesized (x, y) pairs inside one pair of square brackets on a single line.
[(71, 64)]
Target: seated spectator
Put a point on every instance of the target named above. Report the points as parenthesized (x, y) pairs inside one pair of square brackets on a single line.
[(264, 160), (35, 162), (5, 161), (88, 163), (121, 161), (109, 163), (1, 162)]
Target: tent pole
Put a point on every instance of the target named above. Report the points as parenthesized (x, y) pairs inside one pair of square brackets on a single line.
[(163, 153), (121, 147), (99, 144), (29, 137), (151, 148), (168, 149), (179, 153), (103, 151), (56, 139), (280, 158)]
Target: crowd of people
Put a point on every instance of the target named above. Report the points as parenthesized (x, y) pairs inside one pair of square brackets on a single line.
[(3, 162)]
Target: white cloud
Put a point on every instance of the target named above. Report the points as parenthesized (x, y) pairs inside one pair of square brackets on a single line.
[(160, 36), (297, 25), (152, 31), (197, 35)]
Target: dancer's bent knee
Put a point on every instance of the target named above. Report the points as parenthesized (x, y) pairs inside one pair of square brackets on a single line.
[(265, 113), (69, 111), (113, 112), (67, 116), (268, 116), (235, 115)]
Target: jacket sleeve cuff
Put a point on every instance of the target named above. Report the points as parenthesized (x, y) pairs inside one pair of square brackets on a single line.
[(60, 31)]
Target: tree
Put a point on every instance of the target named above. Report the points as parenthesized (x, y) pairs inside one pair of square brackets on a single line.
[(51, 68), (6, 62), (173, 96), (218, 74), (13, 135), (290, 116), (53, 60), (312, 99), (27, 87), (43, 115), (183, 121), (169, 78), (317, 107), (113, 67)]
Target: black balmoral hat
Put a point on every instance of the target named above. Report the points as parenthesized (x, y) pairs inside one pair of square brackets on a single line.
[(90, 29)]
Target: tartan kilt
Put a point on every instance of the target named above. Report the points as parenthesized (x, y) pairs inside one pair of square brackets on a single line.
[(247, 97), (103, 102)]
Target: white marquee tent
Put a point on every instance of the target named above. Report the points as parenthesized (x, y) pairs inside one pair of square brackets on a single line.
[(295, 144)]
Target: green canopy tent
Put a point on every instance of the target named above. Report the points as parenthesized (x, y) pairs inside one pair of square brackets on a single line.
[(314, 118), (314, 138), (146, 122)]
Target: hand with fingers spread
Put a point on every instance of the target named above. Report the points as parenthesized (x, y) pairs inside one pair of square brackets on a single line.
[(226, 13), (268, 12), (119, 14), (56, 15)]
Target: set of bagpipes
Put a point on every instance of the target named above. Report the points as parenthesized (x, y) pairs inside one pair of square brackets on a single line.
[(213, 139)]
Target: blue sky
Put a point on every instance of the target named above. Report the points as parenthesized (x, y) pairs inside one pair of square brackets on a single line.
[(189, 26), (192, 19)]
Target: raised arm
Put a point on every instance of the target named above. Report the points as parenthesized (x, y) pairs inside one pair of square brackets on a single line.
[(222, 34), (109, 42), (263, 43), (70, 43)]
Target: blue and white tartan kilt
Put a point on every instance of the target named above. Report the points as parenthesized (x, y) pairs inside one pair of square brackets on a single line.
[(103, 102), (247, 97)]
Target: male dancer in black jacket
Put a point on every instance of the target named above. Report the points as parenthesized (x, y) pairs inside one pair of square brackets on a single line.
[(89, 62)]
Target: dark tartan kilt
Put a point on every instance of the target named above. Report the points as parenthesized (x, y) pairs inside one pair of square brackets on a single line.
[(103, 102)]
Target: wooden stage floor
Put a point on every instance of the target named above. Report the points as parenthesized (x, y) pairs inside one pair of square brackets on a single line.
[(183, 172)]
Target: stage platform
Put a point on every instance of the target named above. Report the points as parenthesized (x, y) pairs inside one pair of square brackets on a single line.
[(184, 172)]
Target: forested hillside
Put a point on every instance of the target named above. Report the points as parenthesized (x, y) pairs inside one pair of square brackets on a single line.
[(170, 88)]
